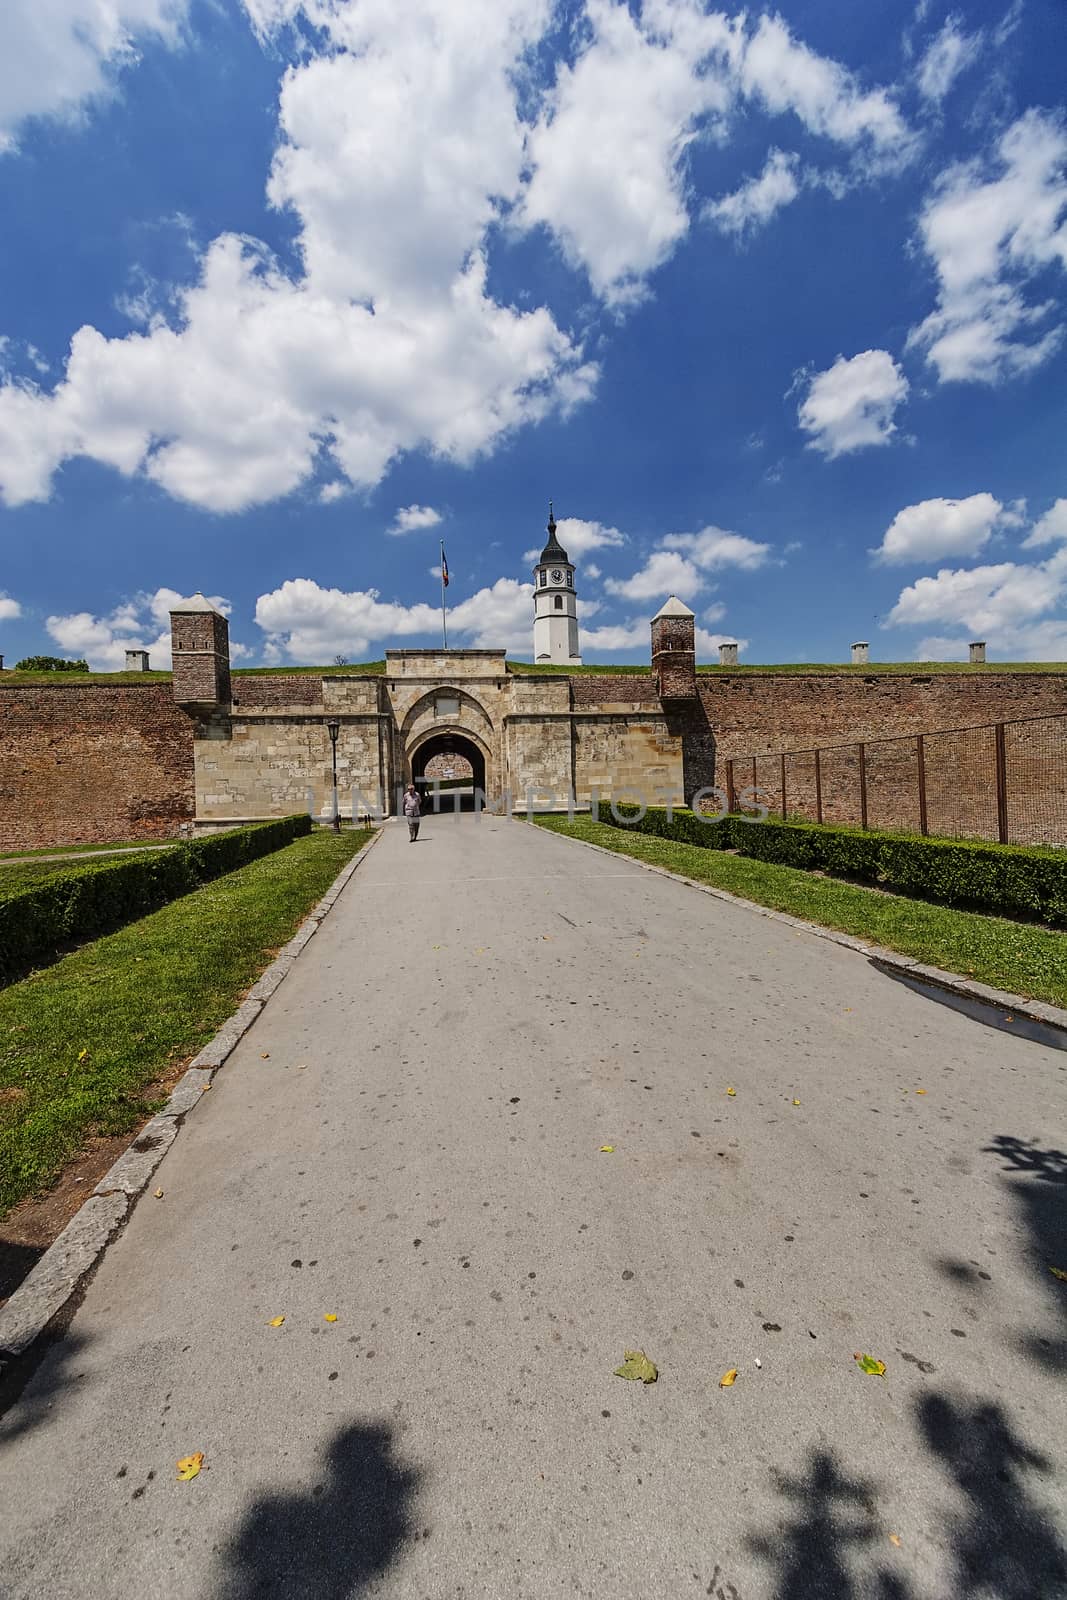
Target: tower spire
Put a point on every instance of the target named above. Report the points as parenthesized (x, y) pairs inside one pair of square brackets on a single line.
[(551, 519)]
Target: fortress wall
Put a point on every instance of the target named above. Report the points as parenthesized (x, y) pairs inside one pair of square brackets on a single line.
[(757, 712), (88, 763)]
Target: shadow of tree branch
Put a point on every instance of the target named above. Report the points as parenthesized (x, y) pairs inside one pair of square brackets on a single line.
[(331, 1543), (1037, 1180)]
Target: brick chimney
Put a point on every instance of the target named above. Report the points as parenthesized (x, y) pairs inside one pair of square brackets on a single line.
[(200, 651), (861, 654), (674, 651), (977, 653), (137, 661)]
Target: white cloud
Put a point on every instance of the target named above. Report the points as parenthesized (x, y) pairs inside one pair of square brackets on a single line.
[(1005, 604), (714, 613), (708, 644), (578, 537), (607, 153), (57, 55), (665, 572), (758, 199), (607, 156), (142, 623), (786, 75), (988, 237), (591, 570), (1036, 641), (615, 636), (399, 148), (9, 608), (309, 623), (414, 519), (331, 492), (850, 406), (948, 54), (1049, 528), (936, 528), (716, 547)]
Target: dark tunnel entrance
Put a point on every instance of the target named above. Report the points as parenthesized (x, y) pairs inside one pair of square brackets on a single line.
[(448, 771)]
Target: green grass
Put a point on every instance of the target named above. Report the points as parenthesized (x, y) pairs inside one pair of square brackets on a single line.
[(920, 669), (19, 875), (139, 1001), (1009, 955), (81, 849), (915, 669)]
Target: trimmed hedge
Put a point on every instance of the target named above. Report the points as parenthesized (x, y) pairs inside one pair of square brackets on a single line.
[(81, 902), (1005, 880)]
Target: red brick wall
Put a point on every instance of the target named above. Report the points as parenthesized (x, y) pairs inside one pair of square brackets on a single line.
[(89, 763), (757, 712), (287, 689)]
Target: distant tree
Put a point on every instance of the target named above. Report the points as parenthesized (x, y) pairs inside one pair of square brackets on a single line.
[(340, 661), (50, 664)]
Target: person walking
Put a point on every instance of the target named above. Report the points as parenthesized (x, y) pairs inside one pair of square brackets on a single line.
[(413, 811)]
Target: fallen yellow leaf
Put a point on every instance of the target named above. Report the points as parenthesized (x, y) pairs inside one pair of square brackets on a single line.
[(796, 1102), (204, 1087), (158, 1194), (728, 1379), (607, 1149), (82, 1054), (637, 1367), (920, 1091), (275, 1322), (869, 1364), (894, 1538), (330, 1316), (189, 1466), (264, 1055), (731, 1091)]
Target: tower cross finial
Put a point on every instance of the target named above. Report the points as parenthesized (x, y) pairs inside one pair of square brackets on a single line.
[(551, 519)]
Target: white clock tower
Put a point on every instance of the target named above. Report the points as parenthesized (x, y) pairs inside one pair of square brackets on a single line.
[(555, 604)]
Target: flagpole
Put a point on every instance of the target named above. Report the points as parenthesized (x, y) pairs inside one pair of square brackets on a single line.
[(444, 618)]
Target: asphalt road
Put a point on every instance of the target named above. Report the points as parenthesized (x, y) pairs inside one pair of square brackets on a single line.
[(409, 1140)]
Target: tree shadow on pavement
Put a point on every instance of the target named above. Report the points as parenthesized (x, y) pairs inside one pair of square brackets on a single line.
[(835, 1516), (31, 1384), (329, 1543), (1038, 1184), (1004, 1545)]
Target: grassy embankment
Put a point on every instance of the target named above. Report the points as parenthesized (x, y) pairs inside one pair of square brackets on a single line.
[(377, 669), (1015, 956), (139, 1001), (82, 849)]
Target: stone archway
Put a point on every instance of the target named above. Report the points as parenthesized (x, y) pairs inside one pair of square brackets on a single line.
[(467, 768)]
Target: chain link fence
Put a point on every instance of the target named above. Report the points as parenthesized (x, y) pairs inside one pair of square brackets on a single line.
[(1003, 780)]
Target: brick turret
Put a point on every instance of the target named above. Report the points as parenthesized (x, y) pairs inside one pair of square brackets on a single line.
[(674, 658), (200, 650)]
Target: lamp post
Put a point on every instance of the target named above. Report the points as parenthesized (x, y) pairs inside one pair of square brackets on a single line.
[(333, 728)]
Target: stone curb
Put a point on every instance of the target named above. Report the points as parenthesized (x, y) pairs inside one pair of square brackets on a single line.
[(966, 988), (65, 1264)]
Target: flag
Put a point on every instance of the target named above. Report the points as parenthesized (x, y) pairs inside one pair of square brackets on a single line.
[(444, 568)]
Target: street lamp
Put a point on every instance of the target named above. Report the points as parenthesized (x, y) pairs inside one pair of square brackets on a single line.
[(333, 728)]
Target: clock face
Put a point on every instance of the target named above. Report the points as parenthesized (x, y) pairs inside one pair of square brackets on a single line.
[(557, 576)]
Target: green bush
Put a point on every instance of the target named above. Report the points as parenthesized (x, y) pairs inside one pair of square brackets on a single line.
[(82, 902), (1005, 880), (50, 664)]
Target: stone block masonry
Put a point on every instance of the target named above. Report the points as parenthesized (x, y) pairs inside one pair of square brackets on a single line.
[(90, 763)]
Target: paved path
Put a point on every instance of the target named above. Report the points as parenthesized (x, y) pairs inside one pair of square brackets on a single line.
[(408, 1139)]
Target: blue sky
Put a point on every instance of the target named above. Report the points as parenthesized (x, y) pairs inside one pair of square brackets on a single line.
[(771, 303)]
